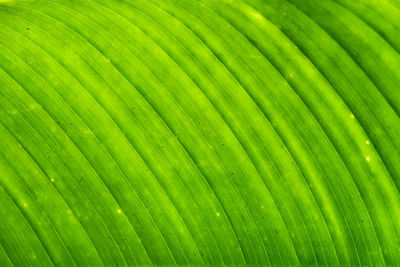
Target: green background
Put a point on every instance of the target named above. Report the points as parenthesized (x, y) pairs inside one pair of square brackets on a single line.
[(209, 132)]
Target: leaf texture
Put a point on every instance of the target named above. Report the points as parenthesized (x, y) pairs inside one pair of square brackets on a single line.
[(208, 132)]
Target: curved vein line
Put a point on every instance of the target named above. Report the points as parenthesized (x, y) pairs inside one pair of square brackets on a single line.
[(136, 26), (328, 137), (313, 114), (369, 25), (346, 164), (92, 167), (28, 221), (116, 96), (44, 174), (377, 121), (215, 108), (129, 141), (295, 163), (345, 51), (358, 123), (303, 102), (156, 112), (264, 150), (374, 30), (259, 107), (26, 218), (66, 168), (37, 203), (384, 166), (343, 47), (239, 142), (352, 57), (38, 163), (169, 128), (252, 99), (268, 119), (5, 252)]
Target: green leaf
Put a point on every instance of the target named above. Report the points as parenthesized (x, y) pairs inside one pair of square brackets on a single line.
[(208, 132)]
